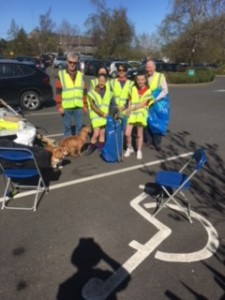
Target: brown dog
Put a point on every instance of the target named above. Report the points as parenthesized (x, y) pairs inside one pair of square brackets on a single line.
[(58, 154), (75, 143)]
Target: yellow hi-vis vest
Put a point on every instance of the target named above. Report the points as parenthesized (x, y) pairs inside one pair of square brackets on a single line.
[(156, 82), (121, 94), (100, 103), (140, 115), (72, 91), (94, 83)]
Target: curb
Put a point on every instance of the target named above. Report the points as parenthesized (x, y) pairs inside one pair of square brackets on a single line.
[(195, 84)]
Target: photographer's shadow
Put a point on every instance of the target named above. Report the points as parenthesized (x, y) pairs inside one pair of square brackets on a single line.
[(89, 282)]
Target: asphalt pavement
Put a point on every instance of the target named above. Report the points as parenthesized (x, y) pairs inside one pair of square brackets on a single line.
[(93, 236)]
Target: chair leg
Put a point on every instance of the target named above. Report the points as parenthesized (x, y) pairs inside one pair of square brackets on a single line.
[(171, 198), (40, 187), (159, 199), (188, 206), (6, 192), (37, 195)]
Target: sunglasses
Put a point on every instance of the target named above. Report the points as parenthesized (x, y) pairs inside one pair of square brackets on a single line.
[(71, 62), (121, 70)]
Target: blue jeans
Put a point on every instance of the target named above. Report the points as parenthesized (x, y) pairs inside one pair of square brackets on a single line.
[(72, 117)]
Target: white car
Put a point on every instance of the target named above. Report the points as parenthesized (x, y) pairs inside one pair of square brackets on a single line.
[(112, 67), (60, 62)]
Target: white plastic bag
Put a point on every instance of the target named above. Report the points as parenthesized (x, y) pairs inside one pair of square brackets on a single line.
[(26, 134)]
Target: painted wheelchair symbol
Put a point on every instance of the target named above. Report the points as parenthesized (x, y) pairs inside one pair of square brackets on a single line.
[(96, 289)]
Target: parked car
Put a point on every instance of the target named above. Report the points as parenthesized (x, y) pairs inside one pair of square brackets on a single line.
[(112, 67), (46, 59), (23, 84), (160, 67), (37, 62), (134, 63), (132, 73), (91, 66), (167, 67), (60, 62)]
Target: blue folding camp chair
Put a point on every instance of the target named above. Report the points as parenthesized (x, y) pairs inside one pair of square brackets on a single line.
[(174, 183), (18, 167)]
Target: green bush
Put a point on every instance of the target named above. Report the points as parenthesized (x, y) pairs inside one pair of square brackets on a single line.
[(200, 76), (220, 70)]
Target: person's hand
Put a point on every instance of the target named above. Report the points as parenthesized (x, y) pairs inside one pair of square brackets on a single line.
[(127, 111), (85, 110), (61, 111)]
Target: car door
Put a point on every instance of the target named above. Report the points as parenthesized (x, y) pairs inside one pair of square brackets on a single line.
[(9, 82)]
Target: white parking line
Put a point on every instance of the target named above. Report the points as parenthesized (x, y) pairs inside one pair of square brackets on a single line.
[(97, 289), (42, 114), (105, 174), (56, 134), (202, 254)]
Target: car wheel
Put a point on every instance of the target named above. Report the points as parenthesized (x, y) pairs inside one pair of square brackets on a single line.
[(114, 74), (30, 100)]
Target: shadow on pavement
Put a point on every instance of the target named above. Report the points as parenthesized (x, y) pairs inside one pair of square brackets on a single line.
[(208, 184), (90, 278), (208, 191), (49, 103)]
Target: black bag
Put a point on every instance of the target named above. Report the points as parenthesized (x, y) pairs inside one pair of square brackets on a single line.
[(42, 156)]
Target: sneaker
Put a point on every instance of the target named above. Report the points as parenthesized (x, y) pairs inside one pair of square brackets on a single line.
[(139, 154), (128, 152), (91, 148)]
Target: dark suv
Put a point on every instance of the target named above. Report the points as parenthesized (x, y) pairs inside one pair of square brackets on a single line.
[(37, 62), (23, 84), (160, 67), (91, 66)]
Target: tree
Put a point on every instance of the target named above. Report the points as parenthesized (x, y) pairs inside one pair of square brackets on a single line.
[(22, 44), (68, 35), (46, 39), (19, 43), (13, 30), (111, 30), (148, 45), (184, 31), (3, 47)]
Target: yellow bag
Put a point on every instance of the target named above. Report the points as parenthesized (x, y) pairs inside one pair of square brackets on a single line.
[(6, 125)]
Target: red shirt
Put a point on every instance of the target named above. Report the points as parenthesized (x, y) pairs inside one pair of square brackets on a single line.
[(142, 91)]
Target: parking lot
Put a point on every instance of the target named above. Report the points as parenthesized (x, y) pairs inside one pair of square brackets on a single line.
[(92, 236)]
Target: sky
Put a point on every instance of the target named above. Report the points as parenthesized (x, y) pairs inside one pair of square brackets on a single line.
[(145, 15)]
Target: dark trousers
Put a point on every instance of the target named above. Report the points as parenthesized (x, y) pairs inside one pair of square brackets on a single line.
[(152, 138)]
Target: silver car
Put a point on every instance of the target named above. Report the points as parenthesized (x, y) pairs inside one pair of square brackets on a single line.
[(60, 62)]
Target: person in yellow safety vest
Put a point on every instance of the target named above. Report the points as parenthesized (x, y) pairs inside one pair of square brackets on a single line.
[(94, 82), (121, 88), (137, 111), (98, 105), (156, 81), (71, 95)]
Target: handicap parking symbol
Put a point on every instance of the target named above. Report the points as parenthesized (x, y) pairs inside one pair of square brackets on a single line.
[(96, 289)]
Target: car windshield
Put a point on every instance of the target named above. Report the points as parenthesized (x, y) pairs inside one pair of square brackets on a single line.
[(61, 58)]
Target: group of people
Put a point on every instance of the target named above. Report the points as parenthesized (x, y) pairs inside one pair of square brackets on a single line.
[(120, 96)]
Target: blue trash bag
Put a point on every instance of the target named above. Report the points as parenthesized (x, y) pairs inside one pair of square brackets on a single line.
[(159, 114), (112, 150)]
